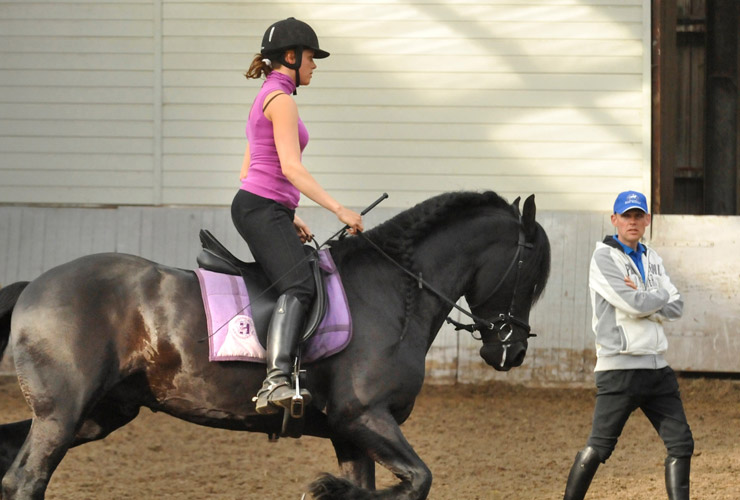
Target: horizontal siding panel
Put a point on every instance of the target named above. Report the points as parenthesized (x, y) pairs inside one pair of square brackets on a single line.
[(419, 76), (218, 69), (91, 95), (72, 61), (423, 148), (484, 81), (203, 163), (196, 111), (76, 161), (202, 146), (60, 11), (513, 183), (418, 29), (452, 149), (114, 145), (421, 97), (360, 197), (375, 51), (83, 111), (35, 43), (552, 3), (71, 28), (78, 78), (352, 164), (77, 195), (427, 131), (76, 128), (478, 132), (408, 182), (380, 115), (66, 178), (468, 114), (507, 13), (84, 2)]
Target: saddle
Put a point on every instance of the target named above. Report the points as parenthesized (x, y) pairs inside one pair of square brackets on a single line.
[(215, 257)]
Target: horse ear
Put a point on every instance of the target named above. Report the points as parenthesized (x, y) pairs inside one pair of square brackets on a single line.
[(515, 205), (528, 222)]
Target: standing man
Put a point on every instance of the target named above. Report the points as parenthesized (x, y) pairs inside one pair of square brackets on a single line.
[(631, 296)]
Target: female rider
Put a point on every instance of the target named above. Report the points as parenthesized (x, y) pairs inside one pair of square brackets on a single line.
[(272, 179)]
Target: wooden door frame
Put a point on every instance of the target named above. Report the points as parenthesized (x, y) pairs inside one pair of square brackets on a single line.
[(664, 72)]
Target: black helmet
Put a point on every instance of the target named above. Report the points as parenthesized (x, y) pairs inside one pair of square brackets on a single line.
[(288, 34)]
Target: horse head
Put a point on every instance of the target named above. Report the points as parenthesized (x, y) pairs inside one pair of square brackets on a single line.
[(506, 287)]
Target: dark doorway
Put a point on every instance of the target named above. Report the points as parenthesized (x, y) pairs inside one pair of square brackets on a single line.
[(695, 107)]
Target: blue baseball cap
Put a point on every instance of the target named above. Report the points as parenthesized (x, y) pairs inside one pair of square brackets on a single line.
[(628, 200)]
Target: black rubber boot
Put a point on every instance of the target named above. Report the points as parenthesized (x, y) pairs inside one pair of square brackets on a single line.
[(581, 474), (282, 340), (677, 477)]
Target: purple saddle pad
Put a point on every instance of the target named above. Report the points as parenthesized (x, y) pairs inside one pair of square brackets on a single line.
[(231, 331)]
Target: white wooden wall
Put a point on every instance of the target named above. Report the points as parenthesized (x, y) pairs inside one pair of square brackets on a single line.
[(699, 253), (143, 102)]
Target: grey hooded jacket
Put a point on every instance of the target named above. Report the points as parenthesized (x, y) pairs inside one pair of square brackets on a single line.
[(627, 322)]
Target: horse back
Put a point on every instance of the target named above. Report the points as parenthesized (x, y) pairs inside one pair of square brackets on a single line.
[(100, 309)]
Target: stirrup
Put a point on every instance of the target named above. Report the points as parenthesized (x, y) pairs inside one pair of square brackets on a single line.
[(301, 398)]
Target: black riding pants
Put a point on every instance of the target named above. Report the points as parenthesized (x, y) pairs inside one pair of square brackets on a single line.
[(267, 227), (655, 392)]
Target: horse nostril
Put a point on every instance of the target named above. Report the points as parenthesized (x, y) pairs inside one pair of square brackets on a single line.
[(518, 358)]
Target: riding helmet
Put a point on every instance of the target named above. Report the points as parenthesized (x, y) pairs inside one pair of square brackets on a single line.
[(289, 34)]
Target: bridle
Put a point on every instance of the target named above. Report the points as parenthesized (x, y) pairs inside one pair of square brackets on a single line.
[(502, 326)]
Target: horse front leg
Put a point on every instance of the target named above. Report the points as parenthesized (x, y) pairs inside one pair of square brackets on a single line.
[(355, 464), (377, 434)]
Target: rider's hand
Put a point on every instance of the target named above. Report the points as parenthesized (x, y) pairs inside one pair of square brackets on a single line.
[(301, 228), (351, 218)]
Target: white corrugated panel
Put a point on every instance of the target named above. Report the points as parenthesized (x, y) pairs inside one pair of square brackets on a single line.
[(547, 96)]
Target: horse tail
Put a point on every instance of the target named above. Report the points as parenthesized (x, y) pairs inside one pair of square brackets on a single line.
[(8, 297)]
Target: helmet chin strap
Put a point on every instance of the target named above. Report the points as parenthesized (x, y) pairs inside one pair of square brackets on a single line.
[(296, 66)]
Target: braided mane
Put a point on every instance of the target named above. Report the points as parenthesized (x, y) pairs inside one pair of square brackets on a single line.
[(398, 236), (403, 230)]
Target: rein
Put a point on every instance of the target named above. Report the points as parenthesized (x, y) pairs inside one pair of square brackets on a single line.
[(425, 284), (506, 330)]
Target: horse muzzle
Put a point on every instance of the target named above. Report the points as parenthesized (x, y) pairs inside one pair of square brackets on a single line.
[(504, 357)]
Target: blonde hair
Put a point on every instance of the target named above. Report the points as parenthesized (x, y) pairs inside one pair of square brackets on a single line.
[(260, 67)]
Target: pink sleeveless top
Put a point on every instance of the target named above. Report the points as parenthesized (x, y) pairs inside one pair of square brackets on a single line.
[(265, 177)]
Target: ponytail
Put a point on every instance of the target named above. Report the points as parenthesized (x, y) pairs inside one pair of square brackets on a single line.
[(260, 66)]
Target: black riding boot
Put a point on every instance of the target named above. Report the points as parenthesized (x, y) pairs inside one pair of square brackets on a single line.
[(282, 340), (677, 477), (581, 474)]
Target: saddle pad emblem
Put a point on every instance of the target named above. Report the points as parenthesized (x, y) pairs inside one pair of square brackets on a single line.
[(241, 339), (231, 331)]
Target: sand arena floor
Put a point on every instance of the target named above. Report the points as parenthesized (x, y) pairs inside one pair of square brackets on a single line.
[(493, 441)]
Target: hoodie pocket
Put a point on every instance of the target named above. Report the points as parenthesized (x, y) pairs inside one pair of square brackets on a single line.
[(640, 336)]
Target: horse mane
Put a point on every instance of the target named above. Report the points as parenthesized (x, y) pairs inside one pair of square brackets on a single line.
[(398, 236)]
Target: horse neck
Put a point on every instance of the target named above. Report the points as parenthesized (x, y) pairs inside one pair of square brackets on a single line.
[(450, 258)]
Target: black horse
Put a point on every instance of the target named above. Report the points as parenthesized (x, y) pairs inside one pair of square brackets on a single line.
[(97, 338)]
